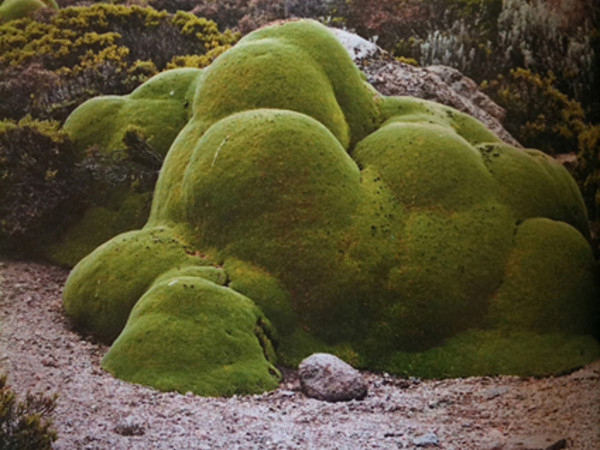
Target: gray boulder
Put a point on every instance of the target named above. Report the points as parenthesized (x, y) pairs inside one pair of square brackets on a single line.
[(437, 83), (326, 377)]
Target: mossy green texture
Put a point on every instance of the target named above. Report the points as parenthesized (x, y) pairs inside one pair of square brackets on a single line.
[(17, 9), (97, 225), (395, 232), (158, 109), (118, 286), (197, 337)]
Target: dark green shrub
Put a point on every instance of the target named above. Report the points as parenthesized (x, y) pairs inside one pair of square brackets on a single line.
[(25, 425), (44, 188), (38, 180), (588, 177)]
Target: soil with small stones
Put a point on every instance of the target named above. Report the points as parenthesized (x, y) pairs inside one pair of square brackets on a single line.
[(41, 353)]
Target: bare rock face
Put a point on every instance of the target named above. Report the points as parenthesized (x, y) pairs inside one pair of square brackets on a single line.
[(441, 84), (326, 377), (467, 88)]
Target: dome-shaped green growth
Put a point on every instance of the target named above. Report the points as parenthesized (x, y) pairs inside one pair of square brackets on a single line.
[(16, 9), (155, 112), (198, 337), (158, 109), (398, 233)]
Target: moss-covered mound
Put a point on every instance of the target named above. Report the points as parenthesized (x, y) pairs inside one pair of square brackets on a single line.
[(16, 9), (158, 109), (154, 113), (397, 233)]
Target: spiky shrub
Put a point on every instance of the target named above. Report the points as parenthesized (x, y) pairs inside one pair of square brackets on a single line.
[(25, 425), (533, 35), (402, 26), (484, 39), (460, 47), (298, 210), (51, 65)]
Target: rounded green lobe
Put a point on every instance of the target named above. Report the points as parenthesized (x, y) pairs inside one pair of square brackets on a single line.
[(17, 9), (158, 109), (197, 336)]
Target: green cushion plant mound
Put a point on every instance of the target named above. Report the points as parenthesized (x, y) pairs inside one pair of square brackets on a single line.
[(153, 114), (16, 9), (198, 337), (158, 109), (298, 211)]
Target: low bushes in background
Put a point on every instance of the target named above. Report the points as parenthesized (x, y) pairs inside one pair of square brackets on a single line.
[(25, 425)]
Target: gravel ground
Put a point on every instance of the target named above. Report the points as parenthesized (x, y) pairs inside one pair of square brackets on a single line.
[(95, 411)]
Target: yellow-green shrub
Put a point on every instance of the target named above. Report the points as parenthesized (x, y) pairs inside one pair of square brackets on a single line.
[(25, 425), (537, 114), (87, 51)]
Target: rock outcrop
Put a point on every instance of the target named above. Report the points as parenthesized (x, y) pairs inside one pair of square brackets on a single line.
[(441, 84)]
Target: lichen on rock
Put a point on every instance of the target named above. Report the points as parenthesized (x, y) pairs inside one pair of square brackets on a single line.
[(299, 211)]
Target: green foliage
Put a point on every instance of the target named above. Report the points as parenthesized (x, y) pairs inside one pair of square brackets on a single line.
[(60, 204), (82, 52), (51, 65), (38, 180), (494, 352), (197, 336), (157, 109), (120, 143), (375, 227), (25, 425), (17, 9), (588, 177), (538, 114)]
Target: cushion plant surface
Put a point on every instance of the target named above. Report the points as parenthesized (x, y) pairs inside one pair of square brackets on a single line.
[(299, 211), (157, 110), (17, 9)]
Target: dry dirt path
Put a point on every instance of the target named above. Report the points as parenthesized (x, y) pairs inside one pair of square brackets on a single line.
[(96, 411)]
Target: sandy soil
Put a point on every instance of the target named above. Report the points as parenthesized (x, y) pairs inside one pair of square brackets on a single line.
[(95, 411)]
